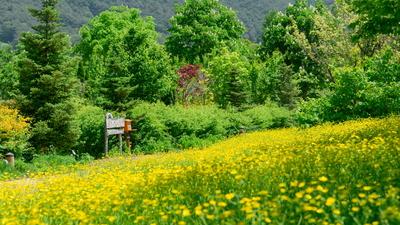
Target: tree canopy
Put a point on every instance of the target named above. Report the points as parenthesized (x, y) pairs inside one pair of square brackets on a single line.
[(199, 26), (377, 17), (75, 13), (121, 59)]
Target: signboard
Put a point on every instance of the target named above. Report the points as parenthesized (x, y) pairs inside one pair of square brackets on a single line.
[(115, 123), (113, 127)]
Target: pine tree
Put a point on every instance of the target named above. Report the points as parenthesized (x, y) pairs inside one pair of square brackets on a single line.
[(47, 81)]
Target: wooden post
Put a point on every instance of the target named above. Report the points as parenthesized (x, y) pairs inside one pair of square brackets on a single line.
[(120, 142), (128, 141), (106, 133), (10, 159)]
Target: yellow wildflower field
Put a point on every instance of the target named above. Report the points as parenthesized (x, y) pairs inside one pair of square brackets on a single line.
[(331, 174)]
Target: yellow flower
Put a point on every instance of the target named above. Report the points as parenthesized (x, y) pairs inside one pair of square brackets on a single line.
[(355, 209), (210, 217), (164, 217), (111, 218), (367, 188), (299, 195), (222, 204), (230, 196), (330, 201), (323, 179), (336, 212), (227, 213), (186, 213)]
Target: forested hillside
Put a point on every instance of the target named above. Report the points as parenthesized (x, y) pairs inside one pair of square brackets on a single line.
[(15, 18)]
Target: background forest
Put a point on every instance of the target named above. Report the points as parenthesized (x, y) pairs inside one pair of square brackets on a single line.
[(310, 63), (74, 13)]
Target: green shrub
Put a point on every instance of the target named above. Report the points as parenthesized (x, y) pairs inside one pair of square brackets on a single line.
[(13, 131), (359, 93), (268, 116), (162, 128), (90, 120)]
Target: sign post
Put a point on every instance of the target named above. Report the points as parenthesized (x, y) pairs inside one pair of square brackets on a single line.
[(113, 127)]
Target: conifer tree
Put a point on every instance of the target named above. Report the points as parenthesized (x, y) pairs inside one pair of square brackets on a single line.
[(47, 81)]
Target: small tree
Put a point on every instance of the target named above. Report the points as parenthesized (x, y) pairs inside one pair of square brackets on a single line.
[(192, 84), (230, 81), (47, 81), (276, 81)]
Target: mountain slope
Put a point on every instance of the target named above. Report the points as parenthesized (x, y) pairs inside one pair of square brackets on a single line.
[(15, 18)]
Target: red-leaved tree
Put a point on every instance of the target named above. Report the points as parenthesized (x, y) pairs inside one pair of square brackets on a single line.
[(192, 84)]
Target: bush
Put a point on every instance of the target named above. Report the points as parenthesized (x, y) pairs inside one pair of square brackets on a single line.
[(268, 116), (359, 93), (90, 120), (13, 131), (162, 128)]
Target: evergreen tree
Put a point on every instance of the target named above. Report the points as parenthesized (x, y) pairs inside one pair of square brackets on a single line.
[(230, 82), (47, 81)]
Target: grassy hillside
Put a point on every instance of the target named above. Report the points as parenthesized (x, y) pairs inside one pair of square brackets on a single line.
[(15, 18), (331, 174)]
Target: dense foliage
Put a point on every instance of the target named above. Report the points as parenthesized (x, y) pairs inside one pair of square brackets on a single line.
[(8, 74), (369, 91), (331, 174), (13, 131), (75, 13), (122, 61), (164, 128), (200, 26), (377, 17)]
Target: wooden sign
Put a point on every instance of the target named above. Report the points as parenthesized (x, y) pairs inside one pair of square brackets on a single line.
[(115, 123), (113, 127)]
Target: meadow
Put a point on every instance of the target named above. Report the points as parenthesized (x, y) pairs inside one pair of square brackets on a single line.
[(345, 173)]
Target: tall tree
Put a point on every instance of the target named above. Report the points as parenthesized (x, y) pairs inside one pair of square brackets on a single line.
[(199, 26), (122, 61), (312, 41), (47, 81), (377, 17)]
